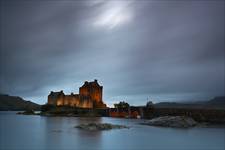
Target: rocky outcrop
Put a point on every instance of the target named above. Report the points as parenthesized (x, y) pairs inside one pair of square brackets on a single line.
[(99, 126), (27, 112), (172, 121)]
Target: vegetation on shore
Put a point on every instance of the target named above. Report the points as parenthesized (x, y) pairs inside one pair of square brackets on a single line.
[(51, 110), (27, 112)]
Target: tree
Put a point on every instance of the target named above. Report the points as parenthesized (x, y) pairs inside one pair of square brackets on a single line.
[(149, 104), (122, 105)]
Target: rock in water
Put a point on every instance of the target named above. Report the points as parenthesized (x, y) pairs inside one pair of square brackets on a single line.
[(172, 121), (99, 126), (27, 112)]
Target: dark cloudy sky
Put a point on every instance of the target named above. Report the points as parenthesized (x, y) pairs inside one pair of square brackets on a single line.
[(155, 49)]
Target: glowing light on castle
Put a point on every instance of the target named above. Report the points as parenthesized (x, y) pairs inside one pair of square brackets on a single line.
[(90, 96)]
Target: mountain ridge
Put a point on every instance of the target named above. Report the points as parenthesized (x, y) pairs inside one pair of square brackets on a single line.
[(15, 103), (215, 103)]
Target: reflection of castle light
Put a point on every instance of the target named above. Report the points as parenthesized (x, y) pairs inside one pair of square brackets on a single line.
[(90, 96)]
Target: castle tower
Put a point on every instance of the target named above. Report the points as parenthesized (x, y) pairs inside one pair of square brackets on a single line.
[(56, 98), (92, 90)]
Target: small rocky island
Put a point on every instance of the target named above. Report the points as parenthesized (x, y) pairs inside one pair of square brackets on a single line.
[(172, 121), (27, 112), (99, 126)]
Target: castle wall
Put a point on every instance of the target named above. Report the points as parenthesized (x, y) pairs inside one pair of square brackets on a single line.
[(86, 103), (60, 101), (84, 90), (72, 100), (96, 94), (51, 101)]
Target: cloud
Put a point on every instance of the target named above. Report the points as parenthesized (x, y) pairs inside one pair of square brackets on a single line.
[(166, 51), (113, 14)]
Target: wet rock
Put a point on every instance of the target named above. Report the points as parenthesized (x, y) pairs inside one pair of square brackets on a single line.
[(27, 112), (56, 131), (172, 121), (99, 126)]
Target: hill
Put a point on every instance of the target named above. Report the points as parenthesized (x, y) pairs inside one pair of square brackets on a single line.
[(215, 103), (16, 103)]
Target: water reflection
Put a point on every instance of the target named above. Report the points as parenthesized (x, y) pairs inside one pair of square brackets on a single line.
[(61, 130), (36, 132)]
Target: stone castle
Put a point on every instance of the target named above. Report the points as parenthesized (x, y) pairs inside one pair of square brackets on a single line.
[(90, 96)]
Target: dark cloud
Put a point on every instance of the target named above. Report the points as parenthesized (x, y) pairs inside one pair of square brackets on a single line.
[(137, 49)]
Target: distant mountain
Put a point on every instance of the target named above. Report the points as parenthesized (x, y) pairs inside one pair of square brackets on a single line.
[(215, 103), (16, 103)]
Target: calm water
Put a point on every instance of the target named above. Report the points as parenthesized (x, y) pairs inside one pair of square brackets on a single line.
[(36, 132)]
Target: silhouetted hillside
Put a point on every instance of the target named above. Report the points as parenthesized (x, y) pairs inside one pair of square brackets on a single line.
[(16, 103), (215, 103)]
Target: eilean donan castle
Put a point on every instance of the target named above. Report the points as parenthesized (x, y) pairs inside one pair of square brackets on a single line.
[(90, 96)]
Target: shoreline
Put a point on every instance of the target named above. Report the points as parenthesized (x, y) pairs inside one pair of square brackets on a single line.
[(198, 125)]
